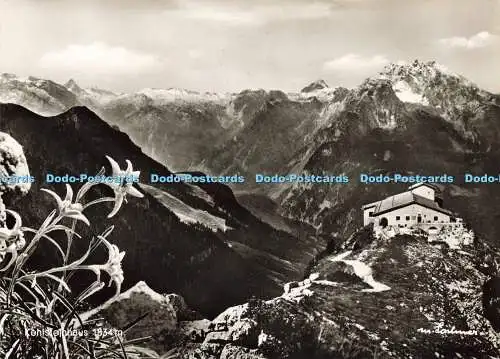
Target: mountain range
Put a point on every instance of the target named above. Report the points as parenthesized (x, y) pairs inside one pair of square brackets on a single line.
[(413, 118), (219, 245)]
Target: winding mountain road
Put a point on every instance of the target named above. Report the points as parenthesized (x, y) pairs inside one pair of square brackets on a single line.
[(363, 271)]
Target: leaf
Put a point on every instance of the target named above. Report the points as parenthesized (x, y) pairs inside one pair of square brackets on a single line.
[(99, 200), (35, 317), (88, 185), (12, 348), (49, 218), (55, 244), (60, 227), (91, 289), (57, 279), (65, 346), (143, 352), (87, 351), (2, 323), (134, 322)]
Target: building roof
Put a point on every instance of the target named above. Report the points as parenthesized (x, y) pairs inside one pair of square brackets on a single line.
[(430, 185), (369, 205), (405, 199)]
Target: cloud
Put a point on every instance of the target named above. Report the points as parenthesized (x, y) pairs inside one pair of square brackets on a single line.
[(98, 58), (229, 16), (354, 62), (253, 15), (476, 41), (306, 11)]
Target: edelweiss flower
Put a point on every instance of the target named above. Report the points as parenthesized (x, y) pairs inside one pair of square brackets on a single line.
[(66, 207), (113, 266), (11, 240), (125, 186)]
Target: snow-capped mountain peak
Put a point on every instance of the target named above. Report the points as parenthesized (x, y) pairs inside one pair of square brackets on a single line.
[(432, 84), (420, 75), (42, 96), (318, 89), (416, 68), (314, 86), (4, 77), (73, 87), (177, 94)]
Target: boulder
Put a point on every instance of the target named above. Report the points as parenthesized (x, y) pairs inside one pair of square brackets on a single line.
[(234, 326), (218, 338), (288, 286), (314, 276), (198, 351), (135, 302), (230, 316), (180, 307), (195, 330), (13, 163), (243, 332), (236, 352)]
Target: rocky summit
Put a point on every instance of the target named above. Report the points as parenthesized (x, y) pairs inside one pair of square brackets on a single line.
[(398, 297), (316, 85)]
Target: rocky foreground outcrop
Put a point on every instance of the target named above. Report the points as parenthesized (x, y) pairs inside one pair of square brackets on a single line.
[(401, 297)]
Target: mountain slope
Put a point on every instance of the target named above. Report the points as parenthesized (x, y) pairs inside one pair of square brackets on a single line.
[(374, 132), (397, 298), (277, 130), (42, 96), (180, 257)]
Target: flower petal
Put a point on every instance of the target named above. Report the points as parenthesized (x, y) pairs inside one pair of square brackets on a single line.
[(115, 168), (118, 204), (56, 196), (136, 174), (78, 216), (134, 192), (17, 217), (129, 169), (13, 251), (69, 193)]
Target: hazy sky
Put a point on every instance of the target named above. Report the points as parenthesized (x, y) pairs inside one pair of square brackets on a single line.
[(229, 45)]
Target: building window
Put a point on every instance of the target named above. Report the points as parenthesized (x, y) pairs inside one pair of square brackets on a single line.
[(435, 218), (407, 218), (370, 214), (398, 218)]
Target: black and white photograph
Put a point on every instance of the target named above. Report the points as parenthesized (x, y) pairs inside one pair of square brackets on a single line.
[(249, 179)]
